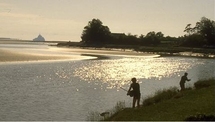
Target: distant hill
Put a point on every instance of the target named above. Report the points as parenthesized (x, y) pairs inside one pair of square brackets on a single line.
[(39, 38)]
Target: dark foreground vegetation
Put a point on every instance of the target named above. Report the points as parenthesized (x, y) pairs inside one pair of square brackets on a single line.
[(171, 105)]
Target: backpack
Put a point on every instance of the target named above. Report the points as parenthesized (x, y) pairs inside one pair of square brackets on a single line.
[(131, 93)]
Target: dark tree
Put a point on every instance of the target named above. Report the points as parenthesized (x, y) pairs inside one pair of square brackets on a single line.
[(205, 28), (131, 39), (154, 38), (189, 29), (95, 33), (194, 40)]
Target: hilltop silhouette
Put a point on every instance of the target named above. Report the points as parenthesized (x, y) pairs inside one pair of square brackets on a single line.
[(39, 38)]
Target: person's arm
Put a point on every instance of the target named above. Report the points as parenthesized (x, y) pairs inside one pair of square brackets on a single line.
[(129, 90), (187, 79)]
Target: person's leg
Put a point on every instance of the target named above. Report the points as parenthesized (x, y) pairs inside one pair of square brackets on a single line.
[(182, 86), (138, 101), (134, 102)]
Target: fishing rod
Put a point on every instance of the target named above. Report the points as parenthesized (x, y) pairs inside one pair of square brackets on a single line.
[(130, 93), (123, 89)]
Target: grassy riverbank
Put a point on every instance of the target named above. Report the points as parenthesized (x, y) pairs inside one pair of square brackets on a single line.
[(171, 105)]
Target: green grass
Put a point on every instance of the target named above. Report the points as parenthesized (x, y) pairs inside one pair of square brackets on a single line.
[(161, 95), (175, 107)]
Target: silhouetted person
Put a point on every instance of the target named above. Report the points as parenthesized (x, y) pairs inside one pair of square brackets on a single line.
[(136, 92), (183, 80)]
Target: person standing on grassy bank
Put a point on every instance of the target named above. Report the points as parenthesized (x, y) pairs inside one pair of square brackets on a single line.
[(135, 92), (183, 80)]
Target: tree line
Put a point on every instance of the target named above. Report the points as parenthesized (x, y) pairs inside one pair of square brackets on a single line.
[(97, 34)]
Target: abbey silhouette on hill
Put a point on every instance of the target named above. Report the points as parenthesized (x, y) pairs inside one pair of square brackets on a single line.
[(39, 38)]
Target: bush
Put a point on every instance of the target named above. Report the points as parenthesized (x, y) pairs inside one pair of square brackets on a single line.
[(204, 83), (161, 95)]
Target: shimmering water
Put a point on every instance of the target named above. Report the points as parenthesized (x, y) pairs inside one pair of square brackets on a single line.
[(69, 90)]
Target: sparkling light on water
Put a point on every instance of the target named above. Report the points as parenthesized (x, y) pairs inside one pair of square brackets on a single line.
[(118, 72)]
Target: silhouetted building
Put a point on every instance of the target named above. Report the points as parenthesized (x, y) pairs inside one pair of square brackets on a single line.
[(39, 38), (118, 35)]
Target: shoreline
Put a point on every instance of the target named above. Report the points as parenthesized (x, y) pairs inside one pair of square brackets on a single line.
[(130, 52), (81, 53), (163, 50), (185, 53)]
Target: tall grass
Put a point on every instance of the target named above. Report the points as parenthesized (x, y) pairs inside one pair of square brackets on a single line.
[(166, 94), (96, 116), (204, 83), (119, 106), (161, 95)]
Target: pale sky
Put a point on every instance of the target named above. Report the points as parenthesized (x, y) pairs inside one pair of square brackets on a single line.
[(66, 19)]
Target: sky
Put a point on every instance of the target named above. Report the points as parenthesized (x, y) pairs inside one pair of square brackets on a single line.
[(64, 20)]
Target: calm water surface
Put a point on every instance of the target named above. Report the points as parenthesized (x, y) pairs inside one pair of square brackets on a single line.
[(69, 90)]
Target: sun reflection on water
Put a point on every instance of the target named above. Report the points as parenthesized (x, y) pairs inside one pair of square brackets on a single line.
[(118, 72)]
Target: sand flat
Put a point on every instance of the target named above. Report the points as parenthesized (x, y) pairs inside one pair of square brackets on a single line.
[(11, 56), (106, 52), (13, 51)]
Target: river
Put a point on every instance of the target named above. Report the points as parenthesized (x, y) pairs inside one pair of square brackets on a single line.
[(68, 90)]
